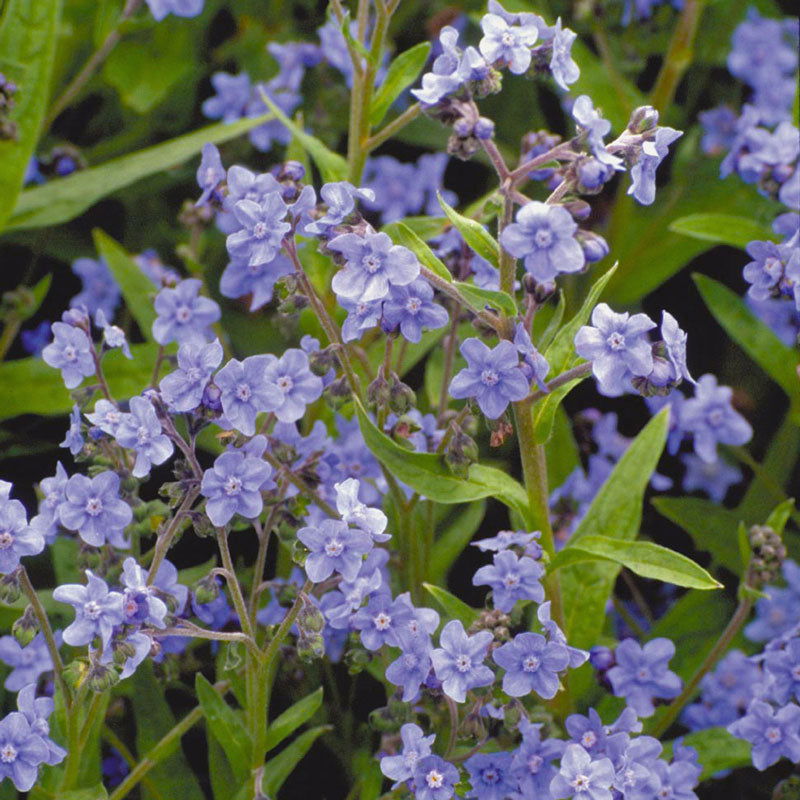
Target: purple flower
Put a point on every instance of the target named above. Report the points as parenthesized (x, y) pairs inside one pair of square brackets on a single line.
[(581, 777), (107, 417), (642, 673), (273, 130), (712, 419), (490, 774), (369, 520), (372, 266), (783, 668), (183, 315), (140, 605), (617, 346), (774, 271), (398, 188), (594, 128), (458, 662), (235, 482), (492, 376), (97, 610), (71, 352), (21, 751), (361, 316), (262, 226), (511, 579), (340, 198), (415, 746), (93, 508), (719, 126), (544, 236), (555, 634), (643, 172), (180, 8), (531, 763), (712, 477), (34, 340), (776, 614), (411, 308), (678, 779), (258, 280), (506, 539), (773, 734), (334, 547), (293, 59), (244, 185), (141, 431), (17, 538), (562, 65), (295, 382), (434, 779), (380, 620), (28, 663), (675, 343), (763, 49), (113, 335), (532, 664), (210, 173), (233, 93), (183, 389), (507, 44), (412, 667), (99, 289), (73, 439), (534, 364), (37, 710), (246, 391)]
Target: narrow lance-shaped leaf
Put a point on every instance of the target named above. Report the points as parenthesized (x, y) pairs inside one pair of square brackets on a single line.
[(475, 235), (403, 235), (278, 769), (401, 74), (721, 229), (291, 719), (452, 605), (480, 298)]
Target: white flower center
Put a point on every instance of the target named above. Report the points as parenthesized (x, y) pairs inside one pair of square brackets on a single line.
[(508, 38), (410, 757), (70, 353), (142, 435), (6, 540), (580, 783), (382, 621), (183, 313), (193, 374), (333, 548), (243, 392), (434, 779), (410, 661), (589, 739), (616, 341), (715, 417), (463, 663), (530, 664), (260, 230), (489, 377), (371, 263), (285, 384), (773, 735), (643, 674), (94, 505), (511, 580), (543, 238), (413, 305), (535, 764), (92, 610), (233, 485), (8, 753)]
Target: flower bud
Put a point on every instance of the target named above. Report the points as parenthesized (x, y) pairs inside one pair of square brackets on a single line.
[(206, 590), (212, 397), (311, 647), (101, 677), (461, 453), (321, 362), (484, 128), (591, 175), (601, 658), (595, 248), (292, 171), (401, 396), (643, 118), (75, 672), (9, 588), (378, 392), (310, 619), (357, 658), (337, 393), (26, 627)]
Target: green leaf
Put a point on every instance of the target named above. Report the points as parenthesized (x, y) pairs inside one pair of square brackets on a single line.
[(753, 336), (780, 516), (93, 793), (451, 605), (64, 199), (401, 74), (615, 512), (562, 450), (291, 719), (721, 229), (28, 35), (403, 235), (31, 387), (717, 750), (475, 235), (135, 287), (644, 558), (331, 165), (278, 769), (219, 771), (153, 720), (226, 726), (452, 541), (479, 298), (429, 475), (711, 526)]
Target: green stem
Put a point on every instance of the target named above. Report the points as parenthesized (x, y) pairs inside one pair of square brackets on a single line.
[(114, 741), (165, 539), (391, 128), (233, 584), (10, 331)]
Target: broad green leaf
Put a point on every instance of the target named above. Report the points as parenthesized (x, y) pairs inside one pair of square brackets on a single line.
[(226, 726), (717, 750), (153, 720), (475, 235), (780, 516), (721, 229), (291, 719), (219, 771), (451, 605), (644, 558), (278, 769), (64, 199), (89, 773), (331, 165), (753, 336), (401, 74), (615, 512), (31, 387), (479, 298), (429, 475), (455, 537), (711, 526), (28, 35), (403, 235), (97, 792), (426, 228), (135, 287)]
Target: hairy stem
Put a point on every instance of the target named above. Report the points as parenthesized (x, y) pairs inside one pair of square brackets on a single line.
[(164, 541), (233, 583)]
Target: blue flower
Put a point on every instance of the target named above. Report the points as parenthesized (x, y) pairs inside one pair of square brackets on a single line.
[(534, 364), (97, 610), (763, 49), (34, 340), (434, 779), (262, 226), (71, 352), (340, 198), (774, 270), (711, 418), (140, 605), (776, 614), (618, 347), (492, 376), (246, 391), (297, 385), (531, 763), (643, 171), (293, 59), (369, 520), (235, 482), (506, 44), (783, 669), (107, 417), (180, 8), (210, 173), (503, 540), (773, 734), (412, 667), (511, 579), (257, 280), (22, 750), (113, 335), (555, 634), (397, 188), (183, 315), (36, 711), (490, 776), (273, 130), (712, 477), (74, 437), (532, 664), (361, 316), (27, 663), (141, 431), (581, 777), (334, 547), (416, 746), (562, 65), (411, 308), (642, 673), (677, 779), (544, 236), (719, 127), (233, 93), (182, 389), (458, 662), (17, 538), (594, 128), (93, 508), (675, 343), (373, 264), (99, 290)]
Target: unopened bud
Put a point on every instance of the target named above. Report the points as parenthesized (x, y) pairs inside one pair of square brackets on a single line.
[(337, 393), (378, 392), (311, 647), (206, 590), (101, 677), (321, 362), (643, 118), (357, 658), (26, 627), (461, 453), (401, 396), (310, 619), (9, 588)]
